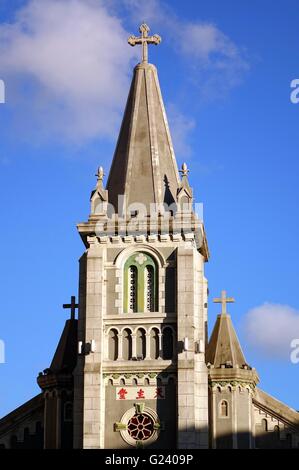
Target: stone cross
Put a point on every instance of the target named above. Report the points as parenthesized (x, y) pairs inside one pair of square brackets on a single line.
[(224, 300), (72, 306), (144, 40)]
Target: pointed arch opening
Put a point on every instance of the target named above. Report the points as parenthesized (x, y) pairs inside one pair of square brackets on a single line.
[(140, 344), (224, 409), (113, 345), (264, 425), (127, 344), (154, 343)]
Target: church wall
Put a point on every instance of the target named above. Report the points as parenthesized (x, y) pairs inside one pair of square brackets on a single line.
[(50, 420), (244, 428), (223, 425), (111, 295), (102, 312), (93, 419), (79, 370), (165, 409), (26, 434), (272, 433), (192, 372)]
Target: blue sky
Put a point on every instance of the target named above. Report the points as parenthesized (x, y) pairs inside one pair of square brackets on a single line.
[(225, 70)]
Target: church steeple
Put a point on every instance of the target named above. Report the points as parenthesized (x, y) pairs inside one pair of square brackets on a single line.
[(144, 167), (224, 349)]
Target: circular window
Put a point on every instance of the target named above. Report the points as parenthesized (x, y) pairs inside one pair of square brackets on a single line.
[(141, 426)]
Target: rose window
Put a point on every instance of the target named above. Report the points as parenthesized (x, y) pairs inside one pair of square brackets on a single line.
[(140, 427)]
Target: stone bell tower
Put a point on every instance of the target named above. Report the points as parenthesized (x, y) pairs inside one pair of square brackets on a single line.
[(141, 378)]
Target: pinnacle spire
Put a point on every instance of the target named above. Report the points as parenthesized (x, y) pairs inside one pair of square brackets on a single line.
[(144, 168), (224, 348)]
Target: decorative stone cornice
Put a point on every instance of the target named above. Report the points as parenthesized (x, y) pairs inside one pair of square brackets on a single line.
[(163, 233), (229, 375), (232, 383)]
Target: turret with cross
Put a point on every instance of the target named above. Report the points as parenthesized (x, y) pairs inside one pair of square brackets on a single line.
[(144, 40), (223, 300)]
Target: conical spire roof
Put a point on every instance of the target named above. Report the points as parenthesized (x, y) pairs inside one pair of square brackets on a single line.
[(65, 356), (144, 167), (224, 349)]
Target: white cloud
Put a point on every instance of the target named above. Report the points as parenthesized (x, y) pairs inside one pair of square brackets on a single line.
[(270, 328), (213, 61), (73, 54), (70, 58), (181, 126)]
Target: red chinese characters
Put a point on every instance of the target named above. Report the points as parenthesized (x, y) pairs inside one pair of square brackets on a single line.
[(159, 393), (122, 393), (140, 393)]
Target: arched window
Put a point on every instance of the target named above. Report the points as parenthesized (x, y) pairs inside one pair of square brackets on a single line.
[(264, 425), (167, 343), (113, 345), (127, 344), (140, 284), (224, 409), (68, 411), (154, 342), (140, 344)]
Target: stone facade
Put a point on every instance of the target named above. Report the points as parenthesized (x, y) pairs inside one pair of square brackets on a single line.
[(136, 369)]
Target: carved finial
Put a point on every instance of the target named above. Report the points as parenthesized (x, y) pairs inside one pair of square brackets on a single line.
[(184, 171), (144, 40), (100, 173)]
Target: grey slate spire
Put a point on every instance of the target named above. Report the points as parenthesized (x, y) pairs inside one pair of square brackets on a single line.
[(224, 347), (144, 167)]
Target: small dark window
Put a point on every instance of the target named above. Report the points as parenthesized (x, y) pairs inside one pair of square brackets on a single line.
[(68, 412), (224, 409)]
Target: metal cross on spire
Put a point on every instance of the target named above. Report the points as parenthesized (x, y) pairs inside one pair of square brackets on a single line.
[(72, 306), (144, 40), (224, 300)]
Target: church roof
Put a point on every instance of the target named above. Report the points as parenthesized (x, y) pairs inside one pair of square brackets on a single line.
[(272, 406), (224, 349), (64, 360), (144, 167)]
